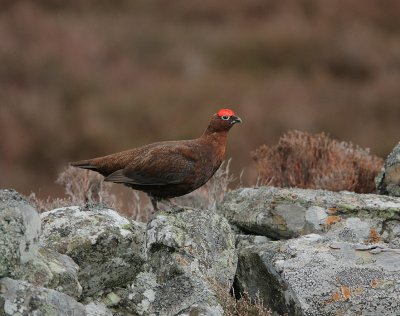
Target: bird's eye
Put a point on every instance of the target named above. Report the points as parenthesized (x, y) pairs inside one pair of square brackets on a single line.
[(225, 117)]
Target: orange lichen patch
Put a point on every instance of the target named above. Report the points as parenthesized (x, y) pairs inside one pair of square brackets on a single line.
[(346, 292), (336, 297), (373, 237), (332, 210), (332, 219), (374, 283)]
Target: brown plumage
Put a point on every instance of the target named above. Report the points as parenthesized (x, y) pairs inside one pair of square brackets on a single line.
[(168, 169)]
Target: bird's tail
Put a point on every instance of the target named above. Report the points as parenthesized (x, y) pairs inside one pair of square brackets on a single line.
[(84, 164)]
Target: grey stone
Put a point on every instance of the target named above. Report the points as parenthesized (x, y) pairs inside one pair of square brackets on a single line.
[(187, 253), (282, 213), (388, 180), (97, 309), (185, 293), (52, 270), (352, 259), (247, 240), (193, 241), (20, 255), (317, 275), (20, 298), (391, 233), (19, 232), (348, 265), (109, 249)]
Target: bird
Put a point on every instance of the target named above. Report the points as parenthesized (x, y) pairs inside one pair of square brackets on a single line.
[(168, 169)]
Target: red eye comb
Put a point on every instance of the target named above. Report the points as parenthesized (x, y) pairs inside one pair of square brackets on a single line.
[(225, 112)]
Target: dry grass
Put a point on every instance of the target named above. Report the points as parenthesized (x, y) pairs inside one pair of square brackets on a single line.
[(102, 76), (84, 186), (316, 161), (243, 306), (81, 187), (43, 205)]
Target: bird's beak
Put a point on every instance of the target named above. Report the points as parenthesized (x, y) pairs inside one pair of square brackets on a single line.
[(236, 119)]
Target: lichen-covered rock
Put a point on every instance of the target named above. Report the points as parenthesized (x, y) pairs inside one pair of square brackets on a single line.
[(109, 249), (388, 180), (194, 241), (20, 255), (52, 270), (97, 309), (186, 250), (247, 240), (282, 213), (19, 232), (319, 275), (183, 294), (20, 298)]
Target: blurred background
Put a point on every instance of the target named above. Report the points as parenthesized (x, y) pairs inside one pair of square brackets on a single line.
[(80, 79)]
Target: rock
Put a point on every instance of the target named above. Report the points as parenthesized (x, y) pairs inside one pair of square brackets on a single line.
[(20, 255), (193, 241), (97, 309), (187, 252), (19, 232), (21, 298), (182, 294), (339, 256), (247, 240), (282, 213), (350, 258), (388, 180), (318, 275), (109, 249), (52, 270)]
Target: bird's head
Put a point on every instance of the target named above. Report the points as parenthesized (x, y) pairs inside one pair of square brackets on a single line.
[(223, 121)]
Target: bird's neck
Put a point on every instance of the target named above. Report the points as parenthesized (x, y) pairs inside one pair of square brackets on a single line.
[(217, 140)]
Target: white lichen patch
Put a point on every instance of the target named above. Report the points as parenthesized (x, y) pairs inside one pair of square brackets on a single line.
[(383, 203), (108, 248), (316, 216), (10, 308), (60, 209)]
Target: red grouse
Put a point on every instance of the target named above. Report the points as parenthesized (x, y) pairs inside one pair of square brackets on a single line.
[(168, 169)]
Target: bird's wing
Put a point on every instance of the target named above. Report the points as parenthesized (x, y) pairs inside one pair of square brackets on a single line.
[(172, 168)]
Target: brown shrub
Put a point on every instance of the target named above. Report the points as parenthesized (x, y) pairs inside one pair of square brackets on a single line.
[(316, 161)]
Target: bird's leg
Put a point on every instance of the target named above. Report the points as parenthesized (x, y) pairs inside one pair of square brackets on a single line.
[(168, 206), (174, 208), (154, 203)]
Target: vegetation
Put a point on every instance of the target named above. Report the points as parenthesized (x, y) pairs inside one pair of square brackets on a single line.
[(316, 161), (87, 78)]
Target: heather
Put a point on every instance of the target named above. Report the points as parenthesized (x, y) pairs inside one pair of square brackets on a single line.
[(82, 79), (317, 161)]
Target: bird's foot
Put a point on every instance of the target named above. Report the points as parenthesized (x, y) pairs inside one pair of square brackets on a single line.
[(168, 207), (175, 209)]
